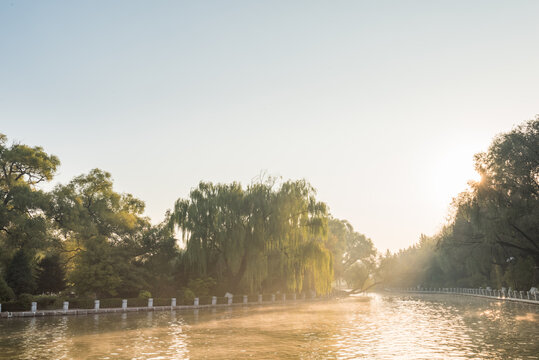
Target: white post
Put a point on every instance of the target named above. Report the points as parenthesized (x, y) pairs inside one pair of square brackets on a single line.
[(272, 297), (66, 306), (150, 302), (0, 308), (230, 299), (259, 298), (195, 302), (214, 300), (124, 304), (245, 299), (34, 306), (96, 304), (173, 302)]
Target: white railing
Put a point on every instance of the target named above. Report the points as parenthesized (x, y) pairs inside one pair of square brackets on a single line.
[(502, 294)]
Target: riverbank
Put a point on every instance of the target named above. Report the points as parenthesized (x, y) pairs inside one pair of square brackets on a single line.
[(196, 305), (493, 294)]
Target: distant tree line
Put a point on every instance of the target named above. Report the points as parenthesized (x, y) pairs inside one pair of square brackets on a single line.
[(85, 239), (493, 236)]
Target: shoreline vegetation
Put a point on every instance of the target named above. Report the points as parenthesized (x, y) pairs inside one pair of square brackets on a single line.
[(83, 241)]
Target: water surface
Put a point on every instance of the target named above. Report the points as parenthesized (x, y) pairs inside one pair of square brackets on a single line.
[(375, 327)]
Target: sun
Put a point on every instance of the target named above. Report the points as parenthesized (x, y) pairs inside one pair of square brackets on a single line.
[(451, 175)]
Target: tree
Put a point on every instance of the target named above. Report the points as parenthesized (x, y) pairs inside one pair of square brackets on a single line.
[(20, 275), (100, 232), (258, 236), (50, 274), (492, 238), (22, 221), (354, 253)]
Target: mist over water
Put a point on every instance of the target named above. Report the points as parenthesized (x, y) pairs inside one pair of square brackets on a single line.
[(377, 326)]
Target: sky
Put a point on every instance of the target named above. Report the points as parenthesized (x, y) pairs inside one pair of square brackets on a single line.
[(380, 105)]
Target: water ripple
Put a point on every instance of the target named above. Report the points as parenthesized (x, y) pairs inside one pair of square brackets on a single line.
[(378, 326)]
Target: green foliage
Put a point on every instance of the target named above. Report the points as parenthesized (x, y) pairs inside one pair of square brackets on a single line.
[(25, 300), (50, 275), (96, 269), (144, 294), (354, 253), (105, 233), (22, 222), (201, 286), (96, 242), (188, 296), (48, 302), (493, 236), (241, 236), (19, 275), (6, 293)]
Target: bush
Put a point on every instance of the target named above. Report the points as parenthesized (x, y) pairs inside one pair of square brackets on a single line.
[(188, 296), (48, 302), (26, 300), (110, 303), (137, 302), (201, 286), (144, 294), (81, 303), (161, 302)]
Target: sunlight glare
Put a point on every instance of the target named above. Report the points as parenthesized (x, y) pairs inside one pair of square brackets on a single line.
[(451, 175)]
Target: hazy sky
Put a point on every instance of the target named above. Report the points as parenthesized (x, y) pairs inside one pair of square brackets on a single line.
[(379, 104)]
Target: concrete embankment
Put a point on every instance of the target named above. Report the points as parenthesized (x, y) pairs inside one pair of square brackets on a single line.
[(34, 312), (526, 297)]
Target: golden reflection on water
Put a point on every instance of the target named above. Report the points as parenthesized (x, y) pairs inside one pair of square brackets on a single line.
[(374, 327)]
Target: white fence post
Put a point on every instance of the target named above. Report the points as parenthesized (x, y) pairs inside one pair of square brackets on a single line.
[(96, 304)]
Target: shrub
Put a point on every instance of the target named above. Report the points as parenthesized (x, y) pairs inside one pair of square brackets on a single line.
[(48, 302), (110, 303), (187, 297), (144, 294)]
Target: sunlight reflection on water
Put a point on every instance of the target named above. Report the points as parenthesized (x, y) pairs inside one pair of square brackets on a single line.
[(378, 326)]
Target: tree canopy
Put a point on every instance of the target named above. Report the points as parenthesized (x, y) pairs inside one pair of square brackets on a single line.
[(493, 236)]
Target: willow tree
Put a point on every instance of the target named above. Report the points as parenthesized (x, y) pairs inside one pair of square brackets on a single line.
[(248, 238)]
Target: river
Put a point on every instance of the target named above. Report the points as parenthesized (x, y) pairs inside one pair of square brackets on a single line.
[(374, 327)]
